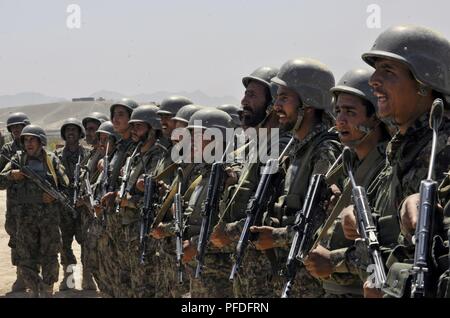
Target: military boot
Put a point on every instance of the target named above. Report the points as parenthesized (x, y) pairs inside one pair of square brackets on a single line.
[(19, 285), (46, 291), (88, 282)]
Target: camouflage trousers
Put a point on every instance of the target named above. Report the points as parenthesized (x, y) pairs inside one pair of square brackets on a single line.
[(141, 278), (70, 228), (38, 243), (304, 285), (214, 281), (92, 230), (256, 277), (11, 229), (108, 257), (168, 284)]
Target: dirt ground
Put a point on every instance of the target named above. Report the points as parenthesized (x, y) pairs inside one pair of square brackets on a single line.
[(8, 272)]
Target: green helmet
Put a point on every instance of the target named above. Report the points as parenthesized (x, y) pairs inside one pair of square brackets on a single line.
[(356, 82), (129, 104), (310, 79), (170, 106), (233, 111), (72, 121), (262, 75), (107, 128), (95, 116), (424, 51), (17, 119), (36, 131), (186, 112), (146, 114), (210, 118)]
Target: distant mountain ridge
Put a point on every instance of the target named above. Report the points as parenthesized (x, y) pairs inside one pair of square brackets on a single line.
[(198, 97)]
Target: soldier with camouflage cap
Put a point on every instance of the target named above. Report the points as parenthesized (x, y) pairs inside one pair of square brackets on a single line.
[(303, 104), (15, 123), (38, 236), (72, 131), (360, 129)]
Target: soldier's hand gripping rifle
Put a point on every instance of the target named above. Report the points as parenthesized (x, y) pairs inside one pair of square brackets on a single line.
[(179, 226), (76, 181), (124, 188), (147, 214), (210, 208), (307, 222), (254, 208), (424, 228), (366, 225), (44, 185)]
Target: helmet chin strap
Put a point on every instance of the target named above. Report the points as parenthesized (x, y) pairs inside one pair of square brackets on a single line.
[(366, 130), (300, 116)]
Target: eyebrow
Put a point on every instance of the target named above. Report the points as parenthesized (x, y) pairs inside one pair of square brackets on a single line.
[(345, 106)]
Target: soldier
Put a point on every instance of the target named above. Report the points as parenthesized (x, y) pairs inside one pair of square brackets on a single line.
[(214, 280), (167, 279), (38, 236), (233, 111), (145, 130), (255, 278), (362, 131), (120, 115), (412, 63), (96, 237), (182, 119), (168, 109), (91, 124), (15, 123), (303, 104), (72, 131)]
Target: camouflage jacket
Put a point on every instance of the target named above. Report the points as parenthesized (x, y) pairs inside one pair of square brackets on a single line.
[(313, 155), (10, 150), (48, 167)]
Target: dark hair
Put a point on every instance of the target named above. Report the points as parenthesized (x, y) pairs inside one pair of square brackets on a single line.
[(370, 108)]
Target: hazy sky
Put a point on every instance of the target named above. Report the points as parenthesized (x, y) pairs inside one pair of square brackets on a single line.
[(146, 46)]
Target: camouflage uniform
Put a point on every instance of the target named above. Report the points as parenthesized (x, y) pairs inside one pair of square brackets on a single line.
[(408, 158), (38, 236), (258, 271), (89, 230), (10, 150), (214, 281), (142, 277), (109, 268), (313, 155), (167, 267), (70, 227), (344, 281)]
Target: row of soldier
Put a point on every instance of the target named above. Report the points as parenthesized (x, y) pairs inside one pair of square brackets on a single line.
[(152, 226)]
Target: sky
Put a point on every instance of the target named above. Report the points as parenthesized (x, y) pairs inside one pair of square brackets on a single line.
[(145, 46)]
